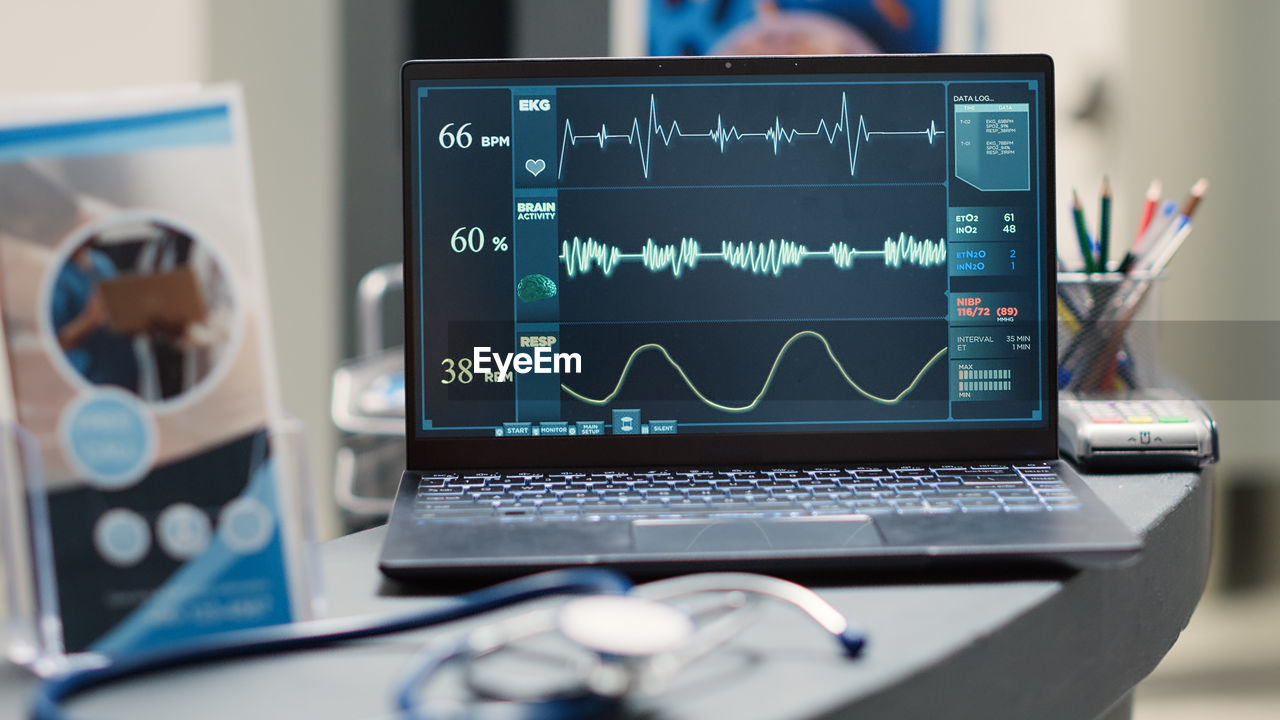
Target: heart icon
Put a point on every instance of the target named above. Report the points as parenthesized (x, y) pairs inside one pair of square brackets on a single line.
[(535, 166)]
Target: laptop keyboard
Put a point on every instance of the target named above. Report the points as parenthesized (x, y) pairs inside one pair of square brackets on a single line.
[(869, 490)]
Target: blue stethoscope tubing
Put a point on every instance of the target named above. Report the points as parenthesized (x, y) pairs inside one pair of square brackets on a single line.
[(49, 696), (585, 704), (588, 702), (573, 707)]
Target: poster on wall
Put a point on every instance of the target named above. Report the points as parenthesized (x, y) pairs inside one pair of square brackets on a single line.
[(793, 27)]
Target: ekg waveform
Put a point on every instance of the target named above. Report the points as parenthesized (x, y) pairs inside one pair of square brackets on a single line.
[(768, 381), (776, 136), (580, 256)]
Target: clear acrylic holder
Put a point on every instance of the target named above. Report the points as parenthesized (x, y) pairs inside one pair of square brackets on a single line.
[(31, 638), (33, 628), (1107, 331)]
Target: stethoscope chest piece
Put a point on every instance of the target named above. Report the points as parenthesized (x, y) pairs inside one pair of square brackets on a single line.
[(625, 626)]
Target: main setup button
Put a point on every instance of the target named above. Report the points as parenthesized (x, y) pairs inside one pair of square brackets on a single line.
[(591, 427), (246, 526), (122, 537), (183, 531)]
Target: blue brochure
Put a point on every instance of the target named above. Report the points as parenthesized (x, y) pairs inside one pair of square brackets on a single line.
[(138, 344)]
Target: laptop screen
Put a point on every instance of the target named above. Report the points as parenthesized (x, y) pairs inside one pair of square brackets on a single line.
[(742, 246)]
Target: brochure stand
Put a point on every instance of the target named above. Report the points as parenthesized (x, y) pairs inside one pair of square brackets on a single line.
[(153, 495), (190, 600), (27, 632)]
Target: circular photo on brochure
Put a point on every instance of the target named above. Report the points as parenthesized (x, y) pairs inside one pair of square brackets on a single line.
[(140, 304)]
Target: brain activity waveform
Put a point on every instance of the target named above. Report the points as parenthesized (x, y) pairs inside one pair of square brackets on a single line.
[(581, 256), (768, 381), (776, 136)]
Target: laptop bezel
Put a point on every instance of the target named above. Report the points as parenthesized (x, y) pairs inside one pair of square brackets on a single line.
[(738, 449)]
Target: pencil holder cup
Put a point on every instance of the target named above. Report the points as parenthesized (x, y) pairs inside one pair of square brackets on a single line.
[(1108, 331)]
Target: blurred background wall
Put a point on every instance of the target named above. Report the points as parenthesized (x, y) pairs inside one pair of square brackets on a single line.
[(1175, 89), (288, 56)]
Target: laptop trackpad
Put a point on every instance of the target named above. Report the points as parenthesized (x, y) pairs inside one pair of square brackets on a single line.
[(799, 533)]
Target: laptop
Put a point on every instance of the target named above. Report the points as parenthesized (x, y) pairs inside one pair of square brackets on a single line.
[(770, 313)]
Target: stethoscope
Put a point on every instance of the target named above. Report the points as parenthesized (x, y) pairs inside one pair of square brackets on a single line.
[(615, 640)]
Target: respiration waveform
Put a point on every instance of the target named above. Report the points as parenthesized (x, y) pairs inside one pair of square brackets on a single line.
[(768, 381), (776, 136), (580, 256)]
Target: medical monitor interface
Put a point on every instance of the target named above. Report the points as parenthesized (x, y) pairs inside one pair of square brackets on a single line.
[(736, 253)]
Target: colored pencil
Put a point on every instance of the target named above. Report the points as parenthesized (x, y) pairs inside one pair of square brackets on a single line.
[(1104, 226), (1082, 233), (1197, 194), (1148, 209)]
